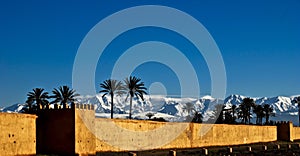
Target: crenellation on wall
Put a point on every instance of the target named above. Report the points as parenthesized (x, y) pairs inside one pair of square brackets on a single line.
[(76, 131), (285, 130), (90, 136), (63, 131), (84, 106)]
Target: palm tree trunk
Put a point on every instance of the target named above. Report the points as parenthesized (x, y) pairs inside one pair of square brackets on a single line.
[(38, 104), (130, 105), (267, 118), (249, 116), (112, 106)]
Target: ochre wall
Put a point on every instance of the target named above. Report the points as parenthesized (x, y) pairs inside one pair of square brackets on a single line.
[(77, 131), (17, 134), (66, 132), (296, 133), (222, 134), (85, 142), (118, 134), (110, 133)]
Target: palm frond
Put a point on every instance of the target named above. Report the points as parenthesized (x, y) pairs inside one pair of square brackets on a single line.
[(37, 97), (134, 87), (63, 95)]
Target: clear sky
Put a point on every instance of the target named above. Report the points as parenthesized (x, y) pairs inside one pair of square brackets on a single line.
[(259, 42)]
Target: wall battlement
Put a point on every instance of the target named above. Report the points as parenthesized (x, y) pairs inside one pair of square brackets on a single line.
[(76, 131), (84, 106), (61, 131), (73, 106), (287, 132)]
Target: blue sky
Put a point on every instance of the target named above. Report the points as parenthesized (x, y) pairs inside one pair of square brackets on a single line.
[(259, 42)]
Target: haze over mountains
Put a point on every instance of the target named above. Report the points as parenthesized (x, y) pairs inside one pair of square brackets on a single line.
[(171, 108)]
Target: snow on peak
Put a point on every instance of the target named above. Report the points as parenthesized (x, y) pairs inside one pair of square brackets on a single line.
[(174, 106), (234, 99), (208, 97)]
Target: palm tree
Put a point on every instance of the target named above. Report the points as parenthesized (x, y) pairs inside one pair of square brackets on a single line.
[(37, 96), (297, 100), (112, 87), (64, 95), (233, 109), (198, 118), (219, 113), (245, 109), (242, 113), (29, 108), (268, 112), (134, 87), (260, 113)]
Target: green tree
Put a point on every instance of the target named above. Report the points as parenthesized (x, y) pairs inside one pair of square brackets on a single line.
[(37, 97), (64, 95), (112, 87), (135, 87)]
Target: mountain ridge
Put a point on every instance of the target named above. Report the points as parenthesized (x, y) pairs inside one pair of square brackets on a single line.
[(173, 108)]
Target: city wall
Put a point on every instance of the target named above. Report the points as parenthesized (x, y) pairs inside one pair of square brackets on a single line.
[(118, 134), (77, 131), (85, 140), (287, 132), (17, 134), (63, 131), (56, 131), (296, 133)]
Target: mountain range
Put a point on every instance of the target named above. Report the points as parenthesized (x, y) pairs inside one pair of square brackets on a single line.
[(172, 108)]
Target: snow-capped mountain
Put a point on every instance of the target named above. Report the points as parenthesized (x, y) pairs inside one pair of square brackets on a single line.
[(172, 109), (234, 99), (15, 108), (279, 103), (284, 107), (161, 106)]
